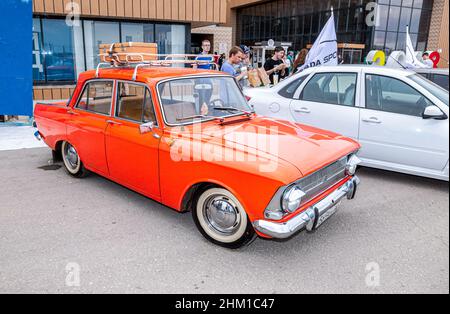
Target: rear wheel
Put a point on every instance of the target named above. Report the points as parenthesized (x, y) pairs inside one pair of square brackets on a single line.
[(222, 219), (72, 161)]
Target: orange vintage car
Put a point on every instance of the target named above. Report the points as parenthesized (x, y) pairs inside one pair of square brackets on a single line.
[(189, 140)]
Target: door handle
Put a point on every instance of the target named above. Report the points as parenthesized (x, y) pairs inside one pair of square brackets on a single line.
[(303, 110), (113, 122), (372, 120)]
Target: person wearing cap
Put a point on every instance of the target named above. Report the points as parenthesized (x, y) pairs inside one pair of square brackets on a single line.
[(244, 66)]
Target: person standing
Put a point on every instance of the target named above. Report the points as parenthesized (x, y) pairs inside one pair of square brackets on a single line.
[(205, 56), (275, 67), (290, 58), (235, 58), (427, 61), (244, 66), (300, 60)]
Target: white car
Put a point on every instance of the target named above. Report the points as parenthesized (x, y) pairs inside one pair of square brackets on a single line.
[(399, 117)]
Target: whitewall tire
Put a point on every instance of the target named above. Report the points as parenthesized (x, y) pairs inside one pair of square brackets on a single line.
[(72, 161), (221, 218)]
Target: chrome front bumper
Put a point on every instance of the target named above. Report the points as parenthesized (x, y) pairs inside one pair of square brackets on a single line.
[(310, 218)]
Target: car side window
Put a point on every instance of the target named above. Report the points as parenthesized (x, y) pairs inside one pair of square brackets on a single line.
[(289, 91), (134, 102), (441, 80), (331, 88), (395, 96), (97, 97)]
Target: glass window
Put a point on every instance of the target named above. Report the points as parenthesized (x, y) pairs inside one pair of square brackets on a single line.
[(392, 95), (401, 41), (132, 32), (408, 3), (38, 57), (394, 17), (58, 50), (170, 38), (391, 41), (290, 90), (96, 97), (433, 88), (134, 103), (185, 100), (379, 38), (97, 33), (382, 17), (415, 21), (441, 80), (405, 19), (138, 32), (331, 88)]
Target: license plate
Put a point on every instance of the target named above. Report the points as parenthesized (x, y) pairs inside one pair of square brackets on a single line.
[(326, 216)]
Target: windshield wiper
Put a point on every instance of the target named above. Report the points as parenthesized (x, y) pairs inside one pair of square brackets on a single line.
[(232, 109), (195, 117)]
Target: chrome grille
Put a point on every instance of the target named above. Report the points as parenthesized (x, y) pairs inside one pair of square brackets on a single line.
[(323, 179)]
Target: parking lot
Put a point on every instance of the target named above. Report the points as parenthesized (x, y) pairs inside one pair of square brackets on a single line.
[(126, 243)]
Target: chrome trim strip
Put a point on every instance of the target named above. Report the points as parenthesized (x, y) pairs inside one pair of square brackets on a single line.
[(307, 219)]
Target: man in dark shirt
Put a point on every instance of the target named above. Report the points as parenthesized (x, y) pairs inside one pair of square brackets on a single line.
[(276, 66)]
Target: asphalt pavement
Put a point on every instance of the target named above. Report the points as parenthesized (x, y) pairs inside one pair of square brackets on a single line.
[(64, 235)]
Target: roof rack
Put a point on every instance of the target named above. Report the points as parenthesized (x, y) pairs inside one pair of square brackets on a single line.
[(140, 60)]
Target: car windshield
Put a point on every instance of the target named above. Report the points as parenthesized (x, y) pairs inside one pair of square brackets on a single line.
[(433, 88), (202, 98)]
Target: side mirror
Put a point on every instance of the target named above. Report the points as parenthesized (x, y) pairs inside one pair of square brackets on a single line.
[(433, 112), (147, 127)]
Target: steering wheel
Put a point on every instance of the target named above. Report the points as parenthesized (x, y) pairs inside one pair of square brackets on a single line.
[(217, 103)]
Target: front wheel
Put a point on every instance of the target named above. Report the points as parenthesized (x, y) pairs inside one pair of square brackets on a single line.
[(222, 219), (72, 161)]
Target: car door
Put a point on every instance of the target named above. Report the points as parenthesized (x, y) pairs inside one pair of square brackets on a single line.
[(393, 131), (132, 156), (328, 101), (86, 129)]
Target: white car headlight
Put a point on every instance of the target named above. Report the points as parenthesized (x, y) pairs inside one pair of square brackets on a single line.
[(292, 199), (352, 165)]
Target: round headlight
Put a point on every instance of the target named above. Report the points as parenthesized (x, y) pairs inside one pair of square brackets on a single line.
[(292, 199)]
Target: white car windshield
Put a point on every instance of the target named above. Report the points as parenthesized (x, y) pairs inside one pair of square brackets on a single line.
[(435, 89), (201, 98)]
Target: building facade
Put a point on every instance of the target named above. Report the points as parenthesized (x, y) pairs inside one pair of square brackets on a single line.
[(67, 34), (358, 28)]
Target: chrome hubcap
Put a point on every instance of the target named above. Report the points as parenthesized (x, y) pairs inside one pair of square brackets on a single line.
[(222, 215), (71, 156)]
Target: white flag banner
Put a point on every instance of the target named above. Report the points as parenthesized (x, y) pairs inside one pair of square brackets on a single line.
[(325, 50), (411, 59)]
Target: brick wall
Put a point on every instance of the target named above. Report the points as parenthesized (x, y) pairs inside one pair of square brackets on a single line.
[(438, 38), (221, 35), (48, 93)]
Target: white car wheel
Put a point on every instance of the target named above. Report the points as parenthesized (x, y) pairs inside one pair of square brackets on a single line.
[(72, 160), (222, 219)]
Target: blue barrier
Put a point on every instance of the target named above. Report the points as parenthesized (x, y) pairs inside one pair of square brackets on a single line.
[(16, 81)]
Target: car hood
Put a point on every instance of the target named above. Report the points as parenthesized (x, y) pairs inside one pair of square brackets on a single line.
[(306, 148)]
